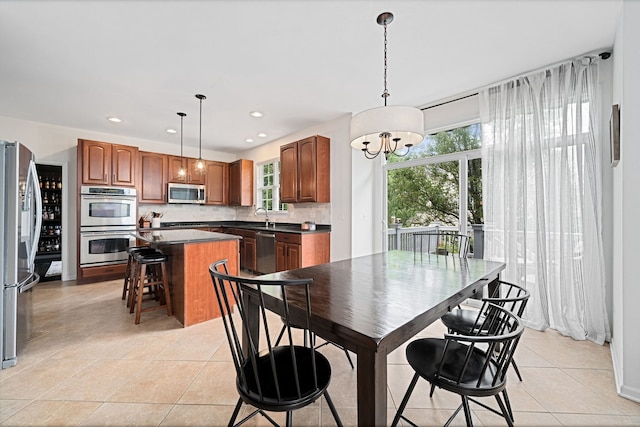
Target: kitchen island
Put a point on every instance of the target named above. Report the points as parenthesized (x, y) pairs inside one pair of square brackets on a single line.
[(190, 253)]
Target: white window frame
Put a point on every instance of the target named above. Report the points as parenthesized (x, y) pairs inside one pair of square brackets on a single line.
[(275, 187)]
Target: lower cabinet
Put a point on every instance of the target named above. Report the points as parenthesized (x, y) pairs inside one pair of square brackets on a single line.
[(295, 250), (247, 247), (249, 254)]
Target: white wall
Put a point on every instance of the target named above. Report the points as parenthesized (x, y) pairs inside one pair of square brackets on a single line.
[(606, 82), (625, 345), (56, 145)]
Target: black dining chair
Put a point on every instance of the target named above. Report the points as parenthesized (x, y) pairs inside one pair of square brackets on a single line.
[(471, 366), (508, 295), (277, 378), (441, 243)]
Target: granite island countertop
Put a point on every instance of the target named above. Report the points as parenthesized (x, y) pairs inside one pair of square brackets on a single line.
[(161, 236), (247, 225)]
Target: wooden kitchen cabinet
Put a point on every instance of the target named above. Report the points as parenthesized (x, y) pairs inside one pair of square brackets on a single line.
[(191, 176), (295, 250), (241, 183), (103, 163), (152, 187), (217, 182), (305, 171), (248, 247), (249, 256)]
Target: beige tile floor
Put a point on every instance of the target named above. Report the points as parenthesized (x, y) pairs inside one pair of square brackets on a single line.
[(88, 364)]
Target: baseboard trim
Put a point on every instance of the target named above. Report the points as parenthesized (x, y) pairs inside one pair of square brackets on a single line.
[(631, 393)]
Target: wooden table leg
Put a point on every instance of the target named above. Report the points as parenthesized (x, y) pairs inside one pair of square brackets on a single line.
[(372, 388), (252, 308)]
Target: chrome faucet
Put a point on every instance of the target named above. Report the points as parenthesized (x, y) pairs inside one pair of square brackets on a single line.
[(266, 215)]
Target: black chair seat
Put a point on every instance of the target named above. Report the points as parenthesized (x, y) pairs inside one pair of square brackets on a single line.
[(285, 395), (424, 356), (461, 320), (150, 257), (133, 249)]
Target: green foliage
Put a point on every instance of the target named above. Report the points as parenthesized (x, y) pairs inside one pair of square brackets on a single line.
[(421, 195)]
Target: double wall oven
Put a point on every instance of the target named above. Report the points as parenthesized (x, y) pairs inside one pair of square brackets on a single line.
[(107, 224)]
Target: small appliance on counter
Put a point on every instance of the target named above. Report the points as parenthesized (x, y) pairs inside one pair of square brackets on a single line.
[(150, 219), (308, 226)]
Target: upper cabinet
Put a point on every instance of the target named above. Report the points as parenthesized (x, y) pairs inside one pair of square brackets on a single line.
[(217, 182), (107, 164), (305, 171), (241, 183), (190, 165), (152, 185)]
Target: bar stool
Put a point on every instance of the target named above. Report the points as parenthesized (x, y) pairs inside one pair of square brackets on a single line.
[(128, 275), (157, 281)]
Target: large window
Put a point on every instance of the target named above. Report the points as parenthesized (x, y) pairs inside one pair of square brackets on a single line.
[(268, 186), (439, 182)]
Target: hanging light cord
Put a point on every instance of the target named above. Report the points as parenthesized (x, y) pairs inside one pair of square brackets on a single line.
[(200, 136), (386, 93), (181, 122)]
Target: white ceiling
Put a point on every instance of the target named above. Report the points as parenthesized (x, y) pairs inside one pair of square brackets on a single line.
[(74, 63)]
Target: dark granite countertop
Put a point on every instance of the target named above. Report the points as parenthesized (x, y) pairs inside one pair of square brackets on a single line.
[(171, 237), (248, 225)]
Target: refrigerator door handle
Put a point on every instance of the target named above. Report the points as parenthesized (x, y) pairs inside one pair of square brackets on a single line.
[(33, 191), (33, 280)]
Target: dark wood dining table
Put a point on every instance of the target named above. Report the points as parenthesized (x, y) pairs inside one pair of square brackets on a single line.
[(373, 304)]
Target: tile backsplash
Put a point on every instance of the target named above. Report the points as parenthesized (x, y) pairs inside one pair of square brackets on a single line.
[(187, 212), (297, 213)]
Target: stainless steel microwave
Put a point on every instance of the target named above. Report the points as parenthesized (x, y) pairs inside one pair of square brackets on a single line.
[(186, 193)]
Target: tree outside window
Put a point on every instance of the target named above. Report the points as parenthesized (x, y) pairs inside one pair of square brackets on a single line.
[(428, 191)]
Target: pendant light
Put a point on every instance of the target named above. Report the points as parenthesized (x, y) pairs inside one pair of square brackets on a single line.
[(200, 168), (182, 171), (388, 128)]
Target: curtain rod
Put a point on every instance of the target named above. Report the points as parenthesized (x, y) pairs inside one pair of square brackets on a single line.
[(450, 101), (604, 55)]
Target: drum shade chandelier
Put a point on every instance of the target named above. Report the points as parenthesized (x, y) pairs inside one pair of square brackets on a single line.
[(182, 171), (200, 168), (388, 128)]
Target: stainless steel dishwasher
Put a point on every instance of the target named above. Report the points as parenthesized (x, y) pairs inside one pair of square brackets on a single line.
[(265, 252)]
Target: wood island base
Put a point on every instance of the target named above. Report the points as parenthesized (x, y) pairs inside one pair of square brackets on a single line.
[(192, 295)]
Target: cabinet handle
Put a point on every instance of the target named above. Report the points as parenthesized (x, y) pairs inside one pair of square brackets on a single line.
[(114, 178), (105, 177)]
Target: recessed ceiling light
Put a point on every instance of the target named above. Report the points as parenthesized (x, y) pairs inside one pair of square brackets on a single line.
[(255, 114), (171, 130), (114, 119), (262, 135), (248, 140)]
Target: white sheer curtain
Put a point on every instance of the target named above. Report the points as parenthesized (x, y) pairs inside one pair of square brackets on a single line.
[(541, 141)]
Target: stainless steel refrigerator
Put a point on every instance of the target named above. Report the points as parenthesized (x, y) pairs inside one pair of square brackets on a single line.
[(21, 217)]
